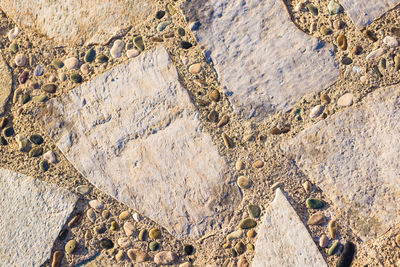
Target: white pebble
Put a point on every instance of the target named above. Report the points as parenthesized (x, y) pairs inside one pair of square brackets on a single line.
[(316, 111), (376, 53), (91, 215), (391, 41), (357, 69), (71, 63), (95, 204), (50, 156), (20, 60), (132, 53), (323, 241), (117, 48), (136, 217), (129, 228), (85, 68), (124, 242), (345, 100), (39, 70), (13, 33)]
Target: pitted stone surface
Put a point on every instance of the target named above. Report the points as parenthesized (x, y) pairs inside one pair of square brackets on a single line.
[(75, 21), (263, 60), (363, 12), (354, 158), (5, 84), (134, 133), (32, 214), (283, 239)]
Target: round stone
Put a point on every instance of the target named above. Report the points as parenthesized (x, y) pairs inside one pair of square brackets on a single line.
[(258, 164), (52, 79), (346, 61), (23, 77), (124, 242), (90, 55), (114, 226), (142, 235), (316, 111), (96, 204), (239, 165), (247, 223), (391, 41), (195, 68), (131, 53), (36, 152), (63, 234), (106, 243), (186, 45), (162, 25), (325, 99), (240, 248), (14, 47), (91, 215), (155, 233), (40, 98), (165, 258), (234, 235), (70, 246), (214, 95), (39, 70), (129, 228), (106, 214), (254, 211), (20, 60), (8, 131), (313, 203), (160, 14), (244, 182), (323, 241), (85, 69), (44, 165), (116, 49), (49, 88), (138, 42), (101, 58), (71, 63), (181, 31), (188, 249), (153, 246), (13, 33), (345, 100), (251, 233), (50, 156), (332, 228), (124, 215), (316, 219), (76, 78), (58, 64)]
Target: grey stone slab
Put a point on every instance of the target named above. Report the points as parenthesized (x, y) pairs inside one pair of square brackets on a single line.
[(353, 157), (134, 133), (75, 21), (283, 240), (32, 215), (262, 59), (5, 84), (363, 12)]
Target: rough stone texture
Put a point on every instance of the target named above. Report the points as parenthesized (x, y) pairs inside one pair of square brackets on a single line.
[(283, 240), (264, 61), (5, 84), (363, 12), (76, 21), (32, 214), (353, 157), (134, 133)]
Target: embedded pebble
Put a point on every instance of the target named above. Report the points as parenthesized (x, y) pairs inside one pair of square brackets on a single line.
[(106, 243), (316, 111), (357, 50), (114, 226), (142, 235), (83, 189), (227, 140), (20, 60), (120, 255), (39, 70), (70, 246), (58, 64), (22, 142), (129, 228), (57, 258), (334, 7), (242, 262), (316, 219), (90, 55), (116, 49), (299, 7), (251, 233), (131, 53), (391, 41), (345, 100), (223, 121), (258, 164), (332, 228), (162, 25), (370, 35), (91, 215), (23, 77), (50, 156), (96, 204), (185, 264), (49, 88), (13, 33), (52, 78), (324, 30), (243, 182), (346, 61), (195, 68), (100, 229), (347, 255), (71, 63), (40, 98), (160, 14), (36, 152), (313, 203), (76, 78), (137, 256), (323, 241), (101, 58), (153, 246), (382, 63), (138, 41), (136, 217), (184, 59), (14, 47), (254, 211), (8, 131), (342, 41), (376, 53), (155, 233), (234, 235), (240, 248), (214, 95), (105, 214), (247, 223), (124, 242), (124, 215), (165, 257), (186, 45), (213, 116), (397, 240), (312, 9), (334, 248), (62, 76), (239, 165), (44, 165), (74, 222), (85, 68), (88, 235)]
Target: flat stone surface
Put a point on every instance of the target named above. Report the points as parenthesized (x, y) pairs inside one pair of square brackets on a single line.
[(32, 215), (5, 84), (283, 239), (76, 22), (263, 60), (353, 157), (134, 133), (363, 12)]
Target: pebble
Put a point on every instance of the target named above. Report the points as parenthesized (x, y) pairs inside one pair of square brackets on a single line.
[(345, 100), (324, 30), (242, 262), (74, 222), (136, 217), (91, 215), (370, 35), (116, 49), (247, 223), (347, 255), (124, 215), (160, 14), (3, 141), (50, 156), (357, 50), (52, 78), (342, 41), (23, 77), (162, 25), (186, 45), (185, 264), (323, 241), (8, 131), (105, 214), (96, 204), (62, 76), (397, 240), (338, 24), (131, 53), (334, 7), (114, 226), (14, 47), (184, 59), (391, 41), (70, 246), (223, 121), (382, 63), (142, 235), (334, 248), (377, 71), (376, 53), (137, 256), (234, 235), (138, 42), (195, 68), (299, 6), (71, 63), (332, 228), (100, 229), (316, 111), (313, 203), (346, 61), (165, 257), (36, 152), (101, 58), (258, 164), (90, 55), (44, 165), (40, 98), (316, 219), (124, 242), (39, 70), (239, 165), (213, 116), (83, 189), (20, 60), (227, 140), (13, 33), (254, 211), (214, 95), (57, 258), (251, 233), (58, 64), (88, 235), (49, 88), (63, 234), (76, 78), (85, 68), (106, 243), (250, 247), (129, 228), (120, 255), (22, 142), (240, 248), (312, 9), (243, 182), (153, 246), (155, 233), (181, 31)]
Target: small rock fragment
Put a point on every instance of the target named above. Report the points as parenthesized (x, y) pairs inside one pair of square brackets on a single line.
[(57, 258), (240, 248), (50, 156), (227, 140), (39, 70), (242, 262), (186, 45), (96, 204), (106, 243), (142, 235), (213, 116), (345, 100), (254, 211), (223, 121), (214, 95), (138, 42), (323, 241), (332, 228), (85, 69), (124, 242), (36, 151), (239, 165), (342, 41), (70, 246), (243, 182), (114, 226), (195, 68), (370, 35), (49, 88), (20, 60), (165, 257), (188, 249), (129, 228), (313, 203), (120, 255), (90, 55), (312, 9), (316, 219), (162, 25), (258, 164), (76, 78), (101, 58), (131, 53), (155, 233), (247, 223), (316, 111), (334, 248), (153, 246), (71, 63), (91, 215), (251, 233), (334, 7), (124, 215), (391, 41), (376, 53), (234, 235), (116, 49), (83, 189), (357, 50), (13, 33)]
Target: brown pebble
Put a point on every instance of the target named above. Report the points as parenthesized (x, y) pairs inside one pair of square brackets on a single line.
[(124, 215), (120, 255), (3, 122), (251, 233), (223, 121), (105, 214), (370, 35), (258, 164), (227, 140), (332, 227), (156, 39), (316, 219), (213, 116), (323, 241), (325, 99), (169, 35), (338, 24), (57, 258), (342, 41), (195, 68), (239, 165), (276, 130), (242, 262), (398, 240), (34, 85), (397, 63), (357, 50), (324, 30), (214, 95), (75, 221)]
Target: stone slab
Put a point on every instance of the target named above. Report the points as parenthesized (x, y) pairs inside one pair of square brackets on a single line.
[(264, 62), (32, 215), (363, 12), (134, 133), (283, 240), (76, 22), (353, 157), (5, 84)]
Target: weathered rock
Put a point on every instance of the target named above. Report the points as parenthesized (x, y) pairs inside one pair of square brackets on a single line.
[(262, 69), (282, 238), (77, 22), (353, 158), (165, 257), (148, 151), (5, 84), (33, 213), (363, 12)]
